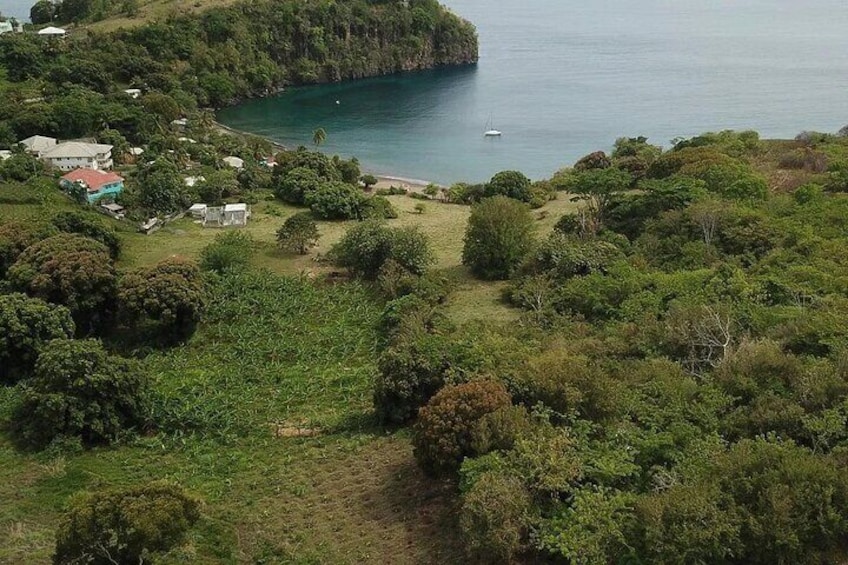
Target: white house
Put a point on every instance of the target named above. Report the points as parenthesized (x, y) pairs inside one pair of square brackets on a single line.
[(234, 162), (38, 144), (78, 155), (133, 92), (52, 32), (227, 215), (9, 27)]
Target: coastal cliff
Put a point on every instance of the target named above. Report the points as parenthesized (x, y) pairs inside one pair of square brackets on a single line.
[(251, 49)]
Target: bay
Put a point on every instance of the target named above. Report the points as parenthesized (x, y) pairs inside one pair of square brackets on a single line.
[(562, 78), (16, 9)]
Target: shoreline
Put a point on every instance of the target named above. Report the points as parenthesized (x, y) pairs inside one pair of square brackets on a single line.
[(383, 180)]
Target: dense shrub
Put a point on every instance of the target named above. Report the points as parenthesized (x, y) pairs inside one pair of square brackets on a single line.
[(378, 208), (444, 431), (495, 517), (296, 184), (511, 184), (336, 201), (565, 257), (169, 293), (26, 325), (15, 237), (72, 270), (231, 251), (89, 226), (79, 390), (689, 524), (368, 246), (596, 160), (412, 371), (499, 430), (298, 233), (498, 237), (126, 525), (792, 504)]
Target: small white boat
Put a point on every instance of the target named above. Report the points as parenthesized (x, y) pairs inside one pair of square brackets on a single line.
[(490, 131)]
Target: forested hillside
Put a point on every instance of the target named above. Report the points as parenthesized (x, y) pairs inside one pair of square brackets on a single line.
[(74, 86)]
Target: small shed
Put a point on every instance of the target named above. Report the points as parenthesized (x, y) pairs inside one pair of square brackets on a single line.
[(198, 210), (113, 210), (236, 214), (229, 215), (133, 92)]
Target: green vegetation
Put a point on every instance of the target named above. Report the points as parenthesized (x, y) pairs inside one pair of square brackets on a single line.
[(666, 386), (299, 233), (657, 376), (125, 526), (26, 325), (499, 236), (78, 390)]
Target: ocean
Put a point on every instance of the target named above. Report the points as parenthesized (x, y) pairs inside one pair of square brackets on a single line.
[(16, 8), (562, 78)]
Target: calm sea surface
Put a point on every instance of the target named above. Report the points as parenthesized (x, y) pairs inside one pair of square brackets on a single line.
[(16, 8), (562, 78)]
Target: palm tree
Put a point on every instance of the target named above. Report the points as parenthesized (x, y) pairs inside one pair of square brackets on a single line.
[(319, 136)]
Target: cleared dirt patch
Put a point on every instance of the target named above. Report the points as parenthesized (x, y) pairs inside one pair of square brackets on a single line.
[(369, 506)]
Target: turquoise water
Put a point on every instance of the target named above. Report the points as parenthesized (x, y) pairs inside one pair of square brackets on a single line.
[(562, 78)]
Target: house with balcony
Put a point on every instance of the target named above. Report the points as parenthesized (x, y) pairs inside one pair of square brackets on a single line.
[(73, 155), (97, 185)]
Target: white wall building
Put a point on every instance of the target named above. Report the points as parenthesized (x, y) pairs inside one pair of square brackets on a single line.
[(77, 155)]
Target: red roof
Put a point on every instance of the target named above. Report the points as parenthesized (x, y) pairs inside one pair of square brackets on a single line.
[(94, 180)]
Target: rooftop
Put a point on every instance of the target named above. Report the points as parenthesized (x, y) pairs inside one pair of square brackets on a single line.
[(76, 149), (38, 143), (51, 31), (94, 180)]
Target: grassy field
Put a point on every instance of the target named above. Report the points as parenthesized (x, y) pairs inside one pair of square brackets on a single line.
[(266, 413), (156, 10), (443, 223)]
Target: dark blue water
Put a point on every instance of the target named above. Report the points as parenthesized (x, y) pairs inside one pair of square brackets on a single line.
[(561, 78)]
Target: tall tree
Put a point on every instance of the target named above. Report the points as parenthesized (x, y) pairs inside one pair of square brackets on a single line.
[(319, 136)]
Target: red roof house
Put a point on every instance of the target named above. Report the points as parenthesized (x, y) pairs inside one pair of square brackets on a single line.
[(98, 184)]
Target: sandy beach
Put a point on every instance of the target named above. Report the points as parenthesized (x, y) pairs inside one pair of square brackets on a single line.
[(383, 180)]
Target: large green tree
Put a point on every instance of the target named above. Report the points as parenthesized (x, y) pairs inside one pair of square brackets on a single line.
[(26, 324), (299, 233), (72, 270), (79, 390), (498, 237), (169, 293), (125, 525)]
